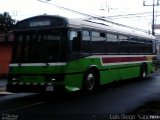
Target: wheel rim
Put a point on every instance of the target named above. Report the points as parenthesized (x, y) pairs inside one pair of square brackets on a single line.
[(144, 74), (90, 81)]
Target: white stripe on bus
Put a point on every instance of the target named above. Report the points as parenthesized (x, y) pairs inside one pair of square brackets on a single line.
[(37, 64), (101, 56), (122, 63)]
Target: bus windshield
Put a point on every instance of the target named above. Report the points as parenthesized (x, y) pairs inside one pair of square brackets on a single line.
[(38, 46)]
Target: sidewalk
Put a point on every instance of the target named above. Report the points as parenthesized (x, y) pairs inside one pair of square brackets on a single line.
[(3, 83)]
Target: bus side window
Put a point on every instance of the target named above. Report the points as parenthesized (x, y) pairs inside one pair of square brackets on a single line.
[(98, 42), (123, 44), (75, 41), (153, 47), (85, 44), (112, 43)]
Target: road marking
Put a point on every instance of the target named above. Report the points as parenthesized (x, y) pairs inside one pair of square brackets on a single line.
[(23, 107)]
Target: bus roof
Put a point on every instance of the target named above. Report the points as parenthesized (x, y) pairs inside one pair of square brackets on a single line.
[(113, 29), (59, 21)]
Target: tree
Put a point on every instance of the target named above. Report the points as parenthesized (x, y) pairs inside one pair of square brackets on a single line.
[(6, 23)]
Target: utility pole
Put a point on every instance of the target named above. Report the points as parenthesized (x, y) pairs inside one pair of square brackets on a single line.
[(153, 19)]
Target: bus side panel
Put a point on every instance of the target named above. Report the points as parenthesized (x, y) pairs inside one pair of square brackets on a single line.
[(129, 71), (108, 76), (119, 72)]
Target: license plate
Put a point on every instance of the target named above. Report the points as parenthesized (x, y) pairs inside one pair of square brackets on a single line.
[(49, 88)]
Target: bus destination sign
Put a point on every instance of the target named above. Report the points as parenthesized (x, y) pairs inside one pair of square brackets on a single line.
[(39, 23)]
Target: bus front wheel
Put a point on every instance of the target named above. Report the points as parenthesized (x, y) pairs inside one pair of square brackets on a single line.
[(90, 81)]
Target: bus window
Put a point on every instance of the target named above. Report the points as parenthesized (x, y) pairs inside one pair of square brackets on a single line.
[(98, 42), (153, 48), (137, 45), (123, 44), (37, 47), (141, 46), (85, 45), (112, 43), (75, 41), (133, 45), (148, 47)]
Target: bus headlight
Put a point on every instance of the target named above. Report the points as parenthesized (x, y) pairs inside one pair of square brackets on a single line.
[(14, 78), (55, 78), (50, 78)]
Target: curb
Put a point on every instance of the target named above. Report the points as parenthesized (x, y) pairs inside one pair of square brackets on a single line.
[(2, 88), (5, 93)]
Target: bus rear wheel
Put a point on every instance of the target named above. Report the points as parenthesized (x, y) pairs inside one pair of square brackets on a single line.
[(143, 72), (90, 81)]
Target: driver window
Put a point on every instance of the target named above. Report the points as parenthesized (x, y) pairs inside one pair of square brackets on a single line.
[(75, 40)]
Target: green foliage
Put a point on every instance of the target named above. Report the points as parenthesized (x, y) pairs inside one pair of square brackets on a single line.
[(6, 22)]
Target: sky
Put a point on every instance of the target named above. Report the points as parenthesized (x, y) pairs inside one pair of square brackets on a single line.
[(21, 9)]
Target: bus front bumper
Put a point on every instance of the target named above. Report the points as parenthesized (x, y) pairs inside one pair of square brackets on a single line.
[(35, 88)]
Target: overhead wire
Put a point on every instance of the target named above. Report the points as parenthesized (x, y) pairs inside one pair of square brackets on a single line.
[(131, 15), (93, 17)]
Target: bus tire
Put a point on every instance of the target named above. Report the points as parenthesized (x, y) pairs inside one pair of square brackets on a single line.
[(143, 72), (90, 80)]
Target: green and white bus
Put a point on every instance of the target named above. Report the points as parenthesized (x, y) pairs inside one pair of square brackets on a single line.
[(54, 53)]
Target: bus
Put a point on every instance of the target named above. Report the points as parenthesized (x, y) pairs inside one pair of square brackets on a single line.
[(55, 53)]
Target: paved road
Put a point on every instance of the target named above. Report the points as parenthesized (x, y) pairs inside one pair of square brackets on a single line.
[(117, 98)]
